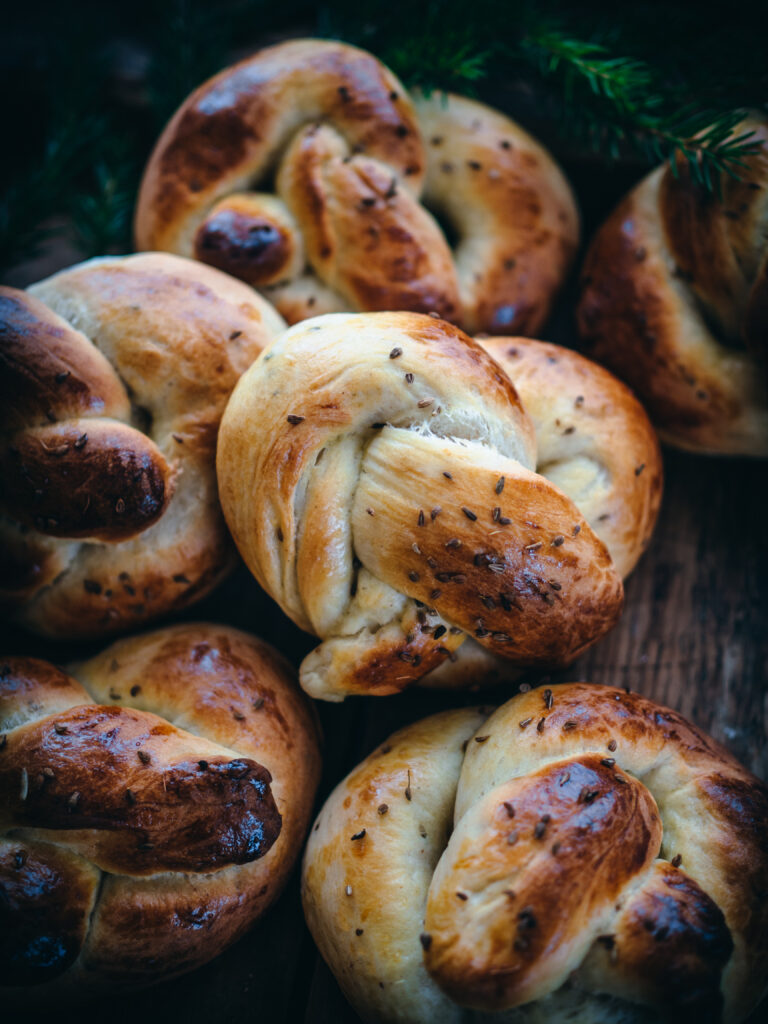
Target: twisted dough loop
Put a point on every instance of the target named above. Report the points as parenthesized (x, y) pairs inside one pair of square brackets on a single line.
[(375, 471), (301, 170), (115, 374), (675, 301), (582, 853), (594, 441), (151, 811)]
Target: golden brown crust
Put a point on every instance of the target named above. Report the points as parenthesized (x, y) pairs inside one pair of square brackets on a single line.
[(116, 374), (48, 897), (593, 439), (136, 798), (184, 769), (589, 844), (386, 470), (674, 302), (510, 206), (349, 151)]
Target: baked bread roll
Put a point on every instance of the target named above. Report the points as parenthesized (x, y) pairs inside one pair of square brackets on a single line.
[(595, 442), (376, 471), (114, 375), (152, 804), (307, 171), (675, 301), (581, 855)]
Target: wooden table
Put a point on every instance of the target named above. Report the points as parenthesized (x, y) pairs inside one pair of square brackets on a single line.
[(693, 636)]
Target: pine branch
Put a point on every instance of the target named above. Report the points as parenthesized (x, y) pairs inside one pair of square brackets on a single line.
[(634, 106)]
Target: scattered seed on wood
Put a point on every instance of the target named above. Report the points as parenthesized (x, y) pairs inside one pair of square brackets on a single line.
[(409, 378), (462, 896), (639, 469), (481, 739), (294, 420), (540, 725), (534, 546), (609, 762), (426, 940), (408, 793), (468, 513), (558, 540), (383, 808), (510, 808), (570, 724), (395, 353), (358, 835), (348, 890), (424, 402), (435, 513), (513, 837), (500, 484), (677, 860), (421, 520), (143, 756), (612, 745)]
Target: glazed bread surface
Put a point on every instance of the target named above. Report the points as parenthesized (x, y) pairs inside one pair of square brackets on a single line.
[(580, 855), (595, 442), (115, 374), (154, 801)]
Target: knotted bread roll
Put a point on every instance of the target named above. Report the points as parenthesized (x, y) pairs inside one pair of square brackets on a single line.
[(676, 302), (114, 377), (376, 471), (583, 854), (307, 171), (152, 804)]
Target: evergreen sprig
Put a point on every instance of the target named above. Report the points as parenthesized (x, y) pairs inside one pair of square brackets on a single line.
[(635, 107)]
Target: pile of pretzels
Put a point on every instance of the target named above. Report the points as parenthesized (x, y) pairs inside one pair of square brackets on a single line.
[(322, 361)]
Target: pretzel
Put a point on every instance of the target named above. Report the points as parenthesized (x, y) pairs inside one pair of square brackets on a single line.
[(302, 170), (114, 376), (675, 301), (153, 803), (376, 473), (581, 854)]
